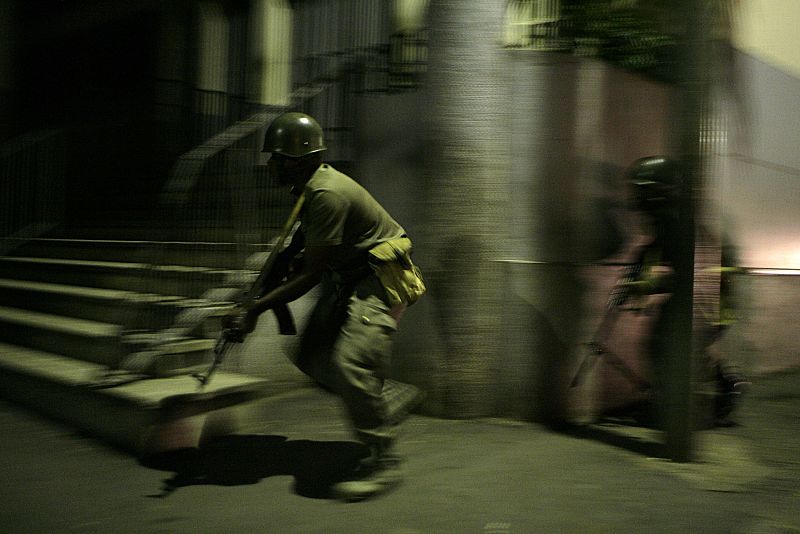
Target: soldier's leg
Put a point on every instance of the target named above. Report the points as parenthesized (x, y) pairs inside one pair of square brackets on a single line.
[(375, 405), (361, 357), (729, 381), (314, 353)]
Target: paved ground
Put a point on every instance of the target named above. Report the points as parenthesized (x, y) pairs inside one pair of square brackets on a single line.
[(462, 476)]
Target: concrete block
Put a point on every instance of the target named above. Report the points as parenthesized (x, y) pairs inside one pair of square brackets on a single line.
[(143, 416)]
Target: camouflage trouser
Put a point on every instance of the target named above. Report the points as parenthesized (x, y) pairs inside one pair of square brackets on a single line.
[(347, 347), (717, 371)]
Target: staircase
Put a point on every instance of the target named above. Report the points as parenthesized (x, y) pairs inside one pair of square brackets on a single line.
[(102, 326), (79, 320)]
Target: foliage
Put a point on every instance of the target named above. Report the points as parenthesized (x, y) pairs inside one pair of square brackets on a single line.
[(639, 36)]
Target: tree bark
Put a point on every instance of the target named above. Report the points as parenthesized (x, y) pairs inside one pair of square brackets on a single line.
[(467, 134)]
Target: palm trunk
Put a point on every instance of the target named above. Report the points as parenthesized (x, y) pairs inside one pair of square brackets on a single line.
[(466, 200)]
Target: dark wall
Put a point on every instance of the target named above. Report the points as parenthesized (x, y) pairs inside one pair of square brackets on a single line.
[(96, 84)]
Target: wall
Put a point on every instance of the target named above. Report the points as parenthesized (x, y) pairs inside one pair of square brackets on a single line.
[(8, 81), (761, 192), (566, 174), (566, 159)]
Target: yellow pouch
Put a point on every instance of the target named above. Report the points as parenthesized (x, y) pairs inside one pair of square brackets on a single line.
[(392, 263)]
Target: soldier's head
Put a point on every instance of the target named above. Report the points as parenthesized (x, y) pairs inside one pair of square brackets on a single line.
[(655, 183), (295, 144)]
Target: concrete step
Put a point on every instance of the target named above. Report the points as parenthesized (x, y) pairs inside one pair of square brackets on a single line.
[(181, 280), (96, 304), (182, 228), (143, 416), (92, 341), (103, 311), (131, 310), (206, 254), (150, 353), (63, 318)]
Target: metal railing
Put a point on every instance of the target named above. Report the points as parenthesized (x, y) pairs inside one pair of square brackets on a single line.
[(408, 59), (216, 217), (218, 199), (214, 111), (190, 116), (534, 24), (331, 33), (218, 204)]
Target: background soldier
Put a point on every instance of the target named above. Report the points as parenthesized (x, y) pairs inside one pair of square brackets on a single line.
[(655, 182)]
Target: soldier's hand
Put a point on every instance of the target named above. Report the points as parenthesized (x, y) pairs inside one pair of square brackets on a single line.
[(238, 323)]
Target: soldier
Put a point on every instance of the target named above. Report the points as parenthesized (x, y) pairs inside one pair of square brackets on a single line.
[(655, 182), (361, 258)]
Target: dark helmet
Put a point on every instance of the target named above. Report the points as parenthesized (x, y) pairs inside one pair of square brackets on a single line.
[(655, 181), (294, 135)]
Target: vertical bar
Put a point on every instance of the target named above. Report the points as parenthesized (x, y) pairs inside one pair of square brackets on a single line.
[(679, 365)]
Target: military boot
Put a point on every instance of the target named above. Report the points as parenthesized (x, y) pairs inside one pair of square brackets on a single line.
[(730, 389), (377, 474)]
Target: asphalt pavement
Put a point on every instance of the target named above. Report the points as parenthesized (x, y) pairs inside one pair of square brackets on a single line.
[(474, 476)]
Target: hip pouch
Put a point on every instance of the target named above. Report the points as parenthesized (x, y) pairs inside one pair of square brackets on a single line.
[(402, 280)]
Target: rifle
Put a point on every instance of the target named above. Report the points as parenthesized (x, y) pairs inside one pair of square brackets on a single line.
[(621, 292), (619, 295), (273, 272)]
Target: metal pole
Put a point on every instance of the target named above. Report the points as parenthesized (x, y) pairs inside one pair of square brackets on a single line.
[(694, 90)]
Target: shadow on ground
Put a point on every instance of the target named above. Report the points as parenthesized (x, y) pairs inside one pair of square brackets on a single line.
[(236, 460), (621, 434), (630, 427)]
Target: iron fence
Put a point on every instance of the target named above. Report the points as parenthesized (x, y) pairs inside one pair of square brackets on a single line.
[(534, 25)]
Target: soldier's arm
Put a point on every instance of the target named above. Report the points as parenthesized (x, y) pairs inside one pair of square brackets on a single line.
[(314, 264)]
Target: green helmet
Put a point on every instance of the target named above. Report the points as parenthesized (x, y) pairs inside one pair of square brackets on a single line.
[(294, 135), (656, 181)]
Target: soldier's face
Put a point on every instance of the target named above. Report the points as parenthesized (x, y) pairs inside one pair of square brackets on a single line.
[(282, 168)]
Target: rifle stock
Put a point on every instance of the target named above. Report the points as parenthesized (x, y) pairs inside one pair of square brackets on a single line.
[(286, 325)]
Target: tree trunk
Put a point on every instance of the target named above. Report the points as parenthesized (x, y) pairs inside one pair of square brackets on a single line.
[(467, 136)]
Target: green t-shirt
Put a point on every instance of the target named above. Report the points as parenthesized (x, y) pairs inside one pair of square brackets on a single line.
[(339, 212)]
